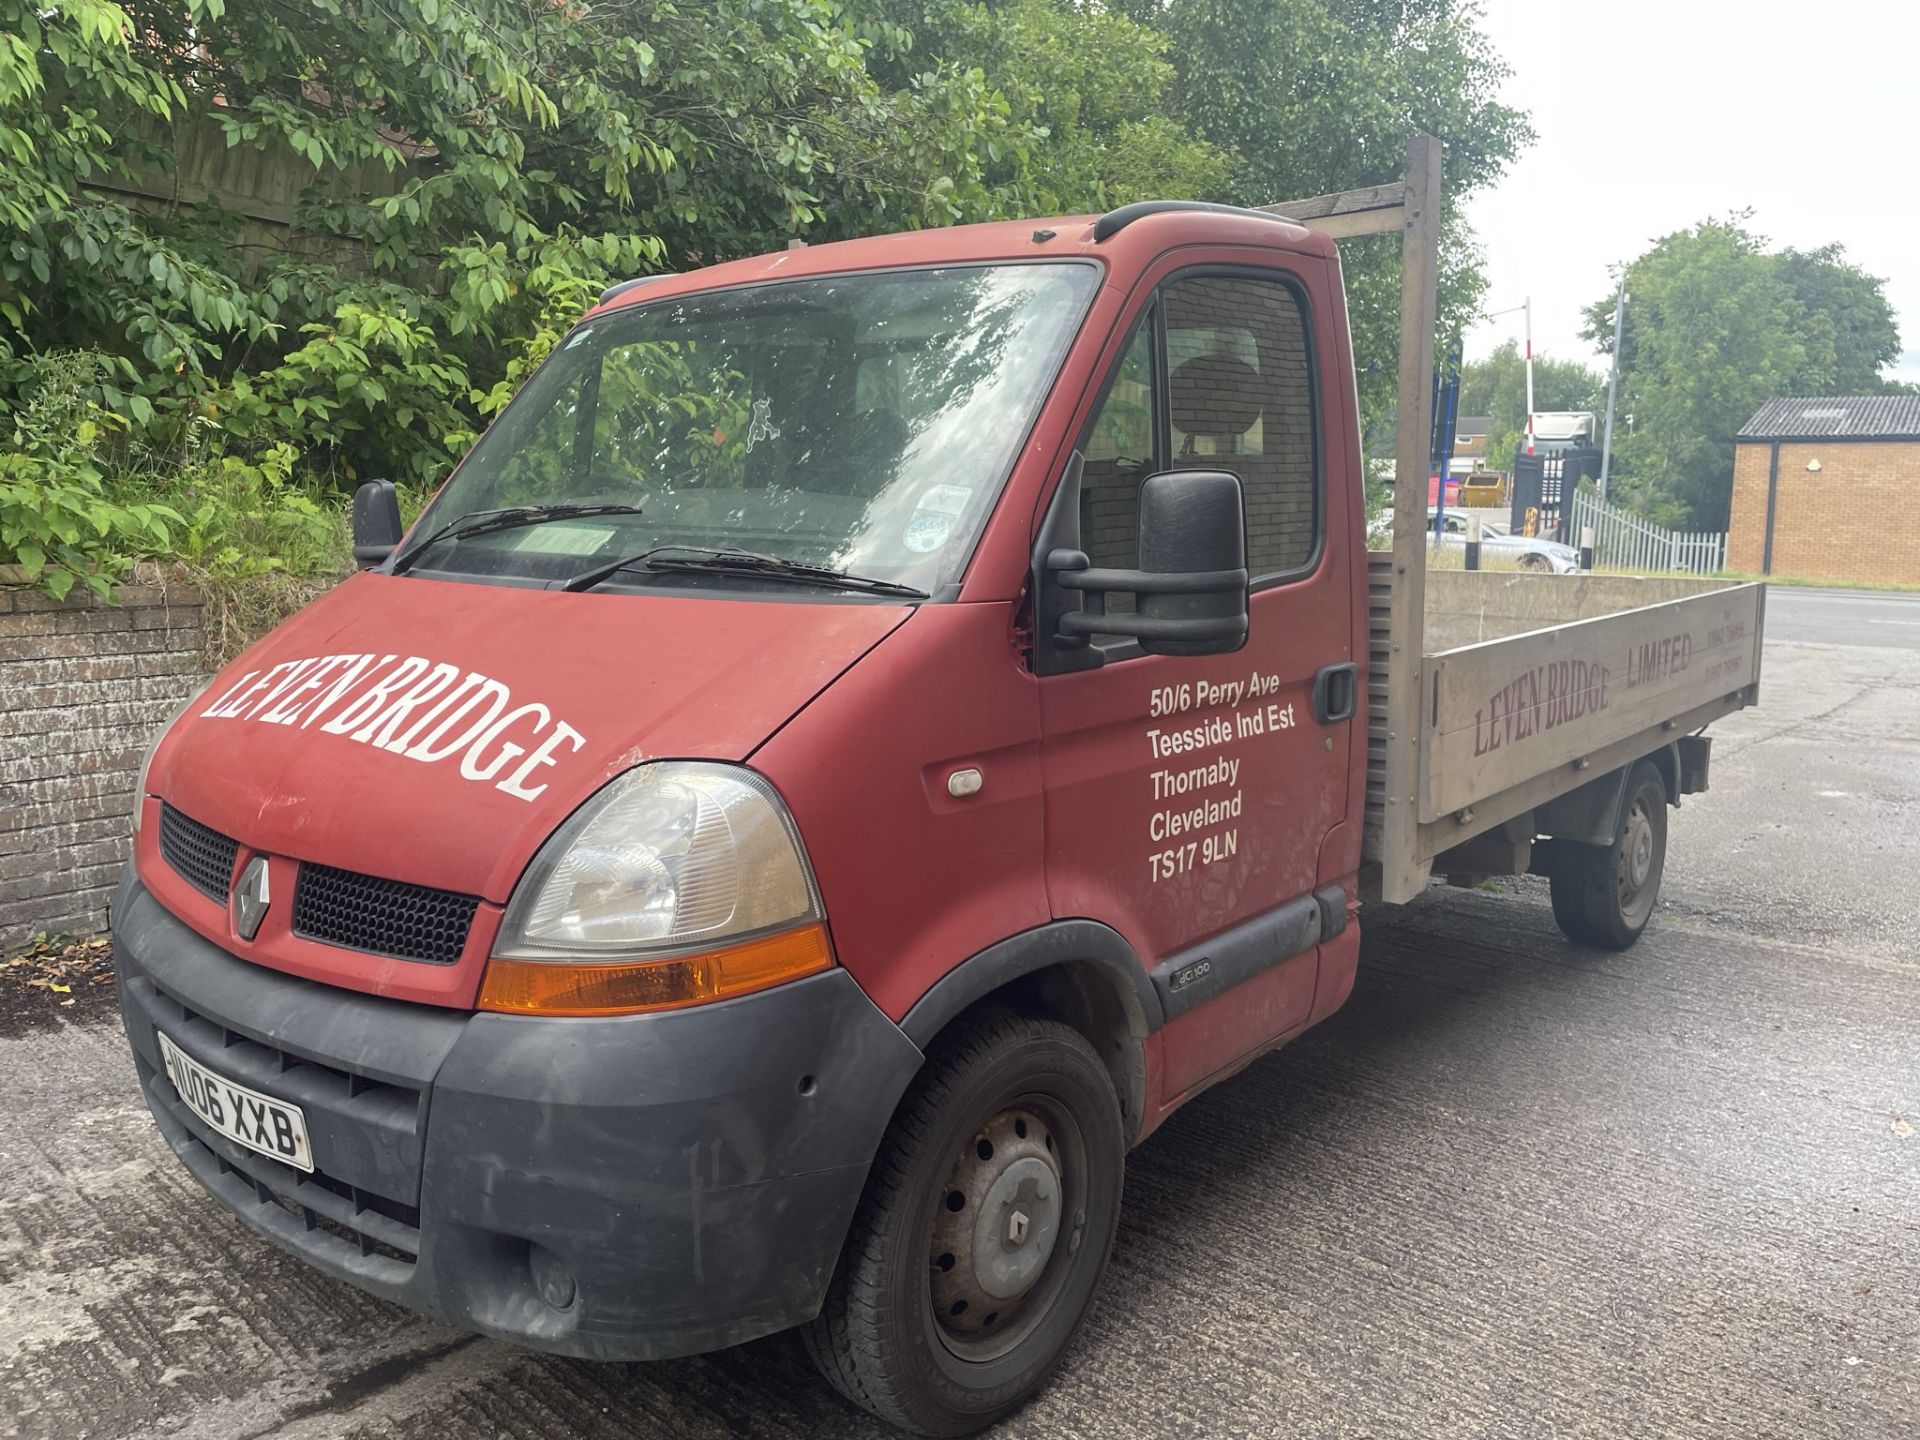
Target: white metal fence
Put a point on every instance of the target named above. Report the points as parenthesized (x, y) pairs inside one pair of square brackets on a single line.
[(1624, 541)]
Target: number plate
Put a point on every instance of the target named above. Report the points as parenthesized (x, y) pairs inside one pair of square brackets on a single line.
[(244, 1116)]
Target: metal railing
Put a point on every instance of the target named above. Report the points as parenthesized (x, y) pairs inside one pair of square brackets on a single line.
[(1625, 541)]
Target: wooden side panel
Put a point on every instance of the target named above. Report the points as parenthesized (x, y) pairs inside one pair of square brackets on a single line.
[(1467, 607), (1507, 711)]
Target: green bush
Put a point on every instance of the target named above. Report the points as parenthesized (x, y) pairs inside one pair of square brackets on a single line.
[(58, 518), (247, 517), (464, 176)]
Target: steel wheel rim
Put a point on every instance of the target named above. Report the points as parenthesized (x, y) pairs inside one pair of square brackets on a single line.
[(1002, 1253), (1637, 862)]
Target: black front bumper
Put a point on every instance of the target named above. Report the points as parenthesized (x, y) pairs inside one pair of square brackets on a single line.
[(692, 1173)]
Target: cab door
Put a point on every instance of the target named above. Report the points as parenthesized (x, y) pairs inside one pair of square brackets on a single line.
[(1188, 799)]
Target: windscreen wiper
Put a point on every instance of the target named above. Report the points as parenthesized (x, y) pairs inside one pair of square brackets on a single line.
[(725, 560), (513, 517)]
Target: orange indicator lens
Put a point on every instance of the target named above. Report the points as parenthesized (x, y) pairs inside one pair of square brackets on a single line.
[(542, 987)]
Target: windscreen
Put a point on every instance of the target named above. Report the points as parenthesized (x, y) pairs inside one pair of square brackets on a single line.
[(860, 422)]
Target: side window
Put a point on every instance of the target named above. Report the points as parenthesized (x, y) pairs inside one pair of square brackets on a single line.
[(1119, 455), (1240, 398)]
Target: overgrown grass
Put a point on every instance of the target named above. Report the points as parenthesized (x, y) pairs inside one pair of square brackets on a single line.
[(1454, 558), (1799, 582), (1792, 582), (83, 501), (278, 573)]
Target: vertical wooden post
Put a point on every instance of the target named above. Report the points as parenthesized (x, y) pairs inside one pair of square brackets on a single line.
[(1402, 875)]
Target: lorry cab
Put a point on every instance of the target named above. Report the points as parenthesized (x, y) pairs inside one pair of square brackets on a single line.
[(866, 734)]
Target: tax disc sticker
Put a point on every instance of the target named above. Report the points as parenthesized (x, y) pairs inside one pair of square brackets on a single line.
[(563, 539), (927, 532)]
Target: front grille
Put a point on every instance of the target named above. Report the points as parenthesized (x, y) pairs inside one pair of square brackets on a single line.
[(381, 917), (377, 1230), (372, 1226), (202, 855)]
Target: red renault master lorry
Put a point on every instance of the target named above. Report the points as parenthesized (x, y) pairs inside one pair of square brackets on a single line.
[(867, 734)]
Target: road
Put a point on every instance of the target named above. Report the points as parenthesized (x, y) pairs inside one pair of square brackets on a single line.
[(1512, 1190), (1882, 619)]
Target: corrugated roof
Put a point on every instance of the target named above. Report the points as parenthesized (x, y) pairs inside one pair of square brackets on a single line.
[(1472, 425), (1877, 417)]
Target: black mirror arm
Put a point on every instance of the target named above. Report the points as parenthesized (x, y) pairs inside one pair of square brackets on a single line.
[(1071, 570), (1153, 582), (1079, 625)]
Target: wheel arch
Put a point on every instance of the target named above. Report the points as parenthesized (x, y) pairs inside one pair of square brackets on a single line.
[(1079, 971), (1591, 814), (1667, 761)]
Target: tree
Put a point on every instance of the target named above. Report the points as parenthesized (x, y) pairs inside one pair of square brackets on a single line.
[(469, 173), (1715, 325), (1312, 96), (1845, 323), (1092, 81), (473, 171)]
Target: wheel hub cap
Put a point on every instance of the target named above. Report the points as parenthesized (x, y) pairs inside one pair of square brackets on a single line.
[(1639, 850), (1016, 1227), (996, 1226)]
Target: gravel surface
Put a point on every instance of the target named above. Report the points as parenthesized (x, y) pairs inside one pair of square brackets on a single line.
[(1512, 1190)]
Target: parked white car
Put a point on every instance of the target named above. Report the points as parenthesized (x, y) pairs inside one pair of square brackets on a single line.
[(1529, 553)]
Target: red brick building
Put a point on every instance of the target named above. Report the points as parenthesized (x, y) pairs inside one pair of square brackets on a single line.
[(1828, 488)]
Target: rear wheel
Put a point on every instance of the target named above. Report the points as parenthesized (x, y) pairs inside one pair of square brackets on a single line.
[(984, 1230), (1603, 895)]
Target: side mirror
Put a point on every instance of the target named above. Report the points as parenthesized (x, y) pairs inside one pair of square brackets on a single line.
[(1191, 586), (376, 522)]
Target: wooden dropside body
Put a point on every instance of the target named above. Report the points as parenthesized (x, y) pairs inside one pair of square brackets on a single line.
[(1531, 685)]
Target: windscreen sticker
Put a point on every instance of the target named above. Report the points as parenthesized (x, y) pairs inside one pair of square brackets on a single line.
[(413, 707), (564, 539), (931, 524), (761, 427), (926, 533), (945, 499)]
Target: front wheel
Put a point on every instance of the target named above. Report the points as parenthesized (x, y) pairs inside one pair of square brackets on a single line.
[(1603, 895), (983, 1232)]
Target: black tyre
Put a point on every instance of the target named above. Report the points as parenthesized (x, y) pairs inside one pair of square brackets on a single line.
[(1603, 895), (984, 1230)]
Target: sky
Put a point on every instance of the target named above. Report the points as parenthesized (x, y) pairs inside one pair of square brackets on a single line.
[(1654, 114)]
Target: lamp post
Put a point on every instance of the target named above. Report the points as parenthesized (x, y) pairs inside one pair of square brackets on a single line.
[(1613, 383), (1525, 308)]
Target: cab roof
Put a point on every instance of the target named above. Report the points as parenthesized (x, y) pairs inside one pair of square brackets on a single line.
[(1134, 236)]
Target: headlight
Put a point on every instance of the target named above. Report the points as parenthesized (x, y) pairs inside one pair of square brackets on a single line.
[(680, 882), (153, 746)]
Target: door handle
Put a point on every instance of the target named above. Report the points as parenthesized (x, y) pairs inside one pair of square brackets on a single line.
[(1336, 689)]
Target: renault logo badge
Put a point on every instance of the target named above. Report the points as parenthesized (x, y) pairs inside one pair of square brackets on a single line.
[(250, 898)]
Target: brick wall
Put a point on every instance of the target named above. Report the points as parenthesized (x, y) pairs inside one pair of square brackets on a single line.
[(86, 685), (1855, 518), (1746, 524)]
